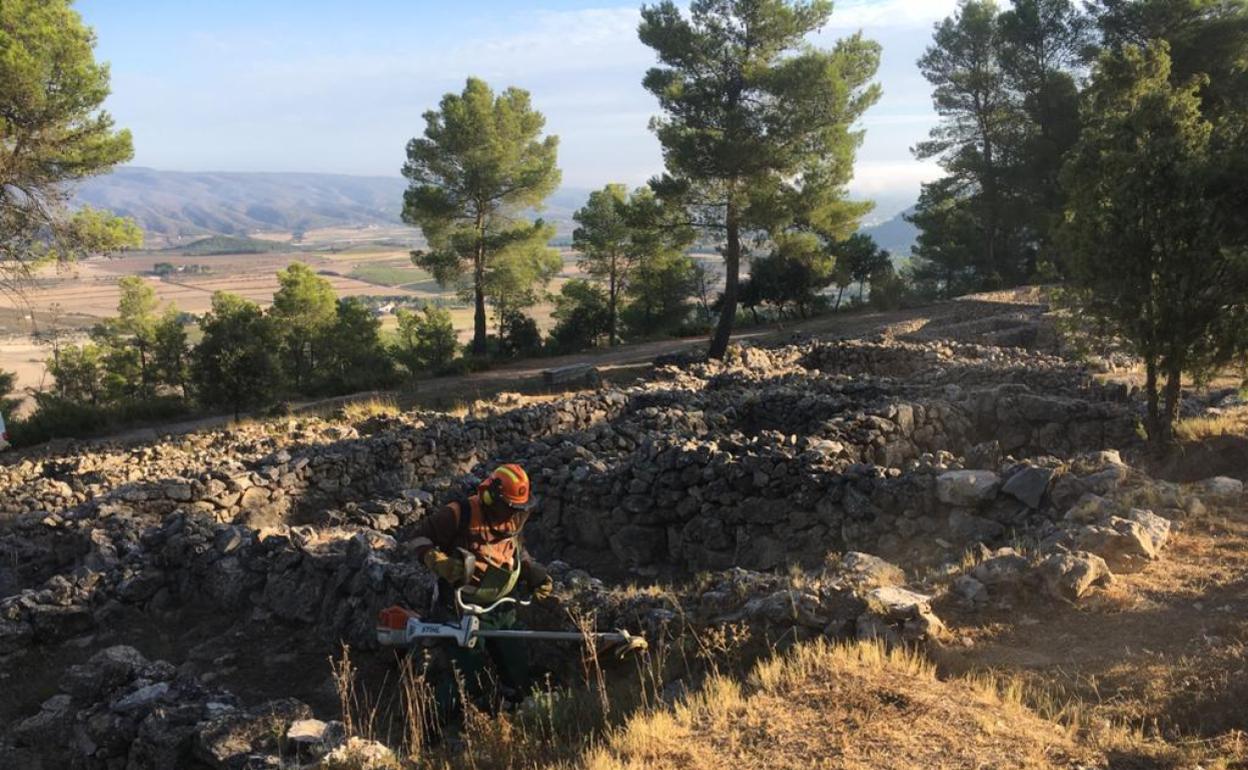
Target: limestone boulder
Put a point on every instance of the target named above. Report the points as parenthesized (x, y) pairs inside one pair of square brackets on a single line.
[(864, 571), (1221, 490), (1029, 485), (1005, 567), (1070, 576), (967, 489)]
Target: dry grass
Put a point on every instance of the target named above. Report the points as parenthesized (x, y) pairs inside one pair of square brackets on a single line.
[(834, 706), (1231, 423), (359, 411)]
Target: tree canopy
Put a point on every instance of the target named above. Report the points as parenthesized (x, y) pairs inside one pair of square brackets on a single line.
[(52, 134), (617, 233), (1158, 247), (757, 125), (1005, 87), (305, 308), (480, 164), (237, 364)]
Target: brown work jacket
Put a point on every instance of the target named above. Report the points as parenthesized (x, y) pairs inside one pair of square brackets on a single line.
[(494, 544)]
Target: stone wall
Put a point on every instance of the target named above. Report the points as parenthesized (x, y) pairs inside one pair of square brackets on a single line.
[(763, 459)]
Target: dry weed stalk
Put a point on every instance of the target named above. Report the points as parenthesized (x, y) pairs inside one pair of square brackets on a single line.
[(343, 673), (359, 713), (591, 667), (420, 717)]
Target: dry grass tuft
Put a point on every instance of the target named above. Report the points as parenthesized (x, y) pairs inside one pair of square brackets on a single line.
[(840, 706), (359, 411), (1231, 423)]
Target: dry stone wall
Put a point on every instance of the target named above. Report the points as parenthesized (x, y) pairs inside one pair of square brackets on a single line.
[(770, 457)]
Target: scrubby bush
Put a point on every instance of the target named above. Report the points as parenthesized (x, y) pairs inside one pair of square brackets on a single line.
[(353, 357), (519, 336), (583, 313), (57, 417), (425, 342)]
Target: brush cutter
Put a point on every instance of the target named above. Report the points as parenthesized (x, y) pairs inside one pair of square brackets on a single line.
[(398, 627)]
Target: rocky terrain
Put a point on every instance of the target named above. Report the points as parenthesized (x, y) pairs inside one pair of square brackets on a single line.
[(157, 601)]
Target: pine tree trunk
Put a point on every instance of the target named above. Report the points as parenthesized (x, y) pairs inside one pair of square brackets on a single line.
[(1174, 395), (732, 264), (990, 192), (612, 341), (479, 328), (1153, 418)]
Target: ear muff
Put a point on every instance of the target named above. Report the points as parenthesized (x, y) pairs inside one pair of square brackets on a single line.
[(491, 490)]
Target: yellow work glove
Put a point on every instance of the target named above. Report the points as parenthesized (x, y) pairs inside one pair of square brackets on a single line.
[(538, 579), (446, 567), (544, 589)]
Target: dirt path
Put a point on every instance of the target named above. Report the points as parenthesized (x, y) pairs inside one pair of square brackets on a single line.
[(1164, 650)]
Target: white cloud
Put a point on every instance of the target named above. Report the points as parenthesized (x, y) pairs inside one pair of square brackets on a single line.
[(855, 14), (890, 178), (913, 119)]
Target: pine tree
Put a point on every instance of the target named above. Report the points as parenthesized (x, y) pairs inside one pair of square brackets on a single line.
[(757, 130), (425, 341), (480, 164), (170, 352), (54, 134), (1042, 43), (1155, 222), (353, 355), (617, 233), (237, 364), (861, 258), (603, 239), (127, 341), (305, 307), (979, 119)]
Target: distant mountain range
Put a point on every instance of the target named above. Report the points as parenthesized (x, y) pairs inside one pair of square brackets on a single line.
[(178, 206), (896, 235)]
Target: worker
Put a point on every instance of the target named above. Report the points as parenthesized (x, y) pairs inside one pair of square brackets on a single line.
[(486, 526)]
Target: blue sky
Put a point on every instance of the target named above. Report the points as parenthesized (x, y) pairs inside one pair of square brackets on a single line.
[(280, 85)]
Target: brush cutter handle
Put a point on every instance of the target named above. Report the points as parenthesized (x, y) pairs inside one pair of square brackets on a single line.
[(476, 609)]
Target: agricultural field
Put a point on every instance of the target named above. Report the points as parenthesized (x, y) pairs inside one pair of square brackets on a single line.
[(75, 299)]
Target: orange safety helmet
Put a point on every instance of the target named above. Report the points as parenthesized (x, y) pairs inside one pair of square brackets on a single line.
[(508, 485)]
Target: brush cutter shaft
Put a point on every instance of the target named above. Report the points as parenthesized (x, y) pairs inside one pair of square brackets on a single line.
[(398, 627), (466, 632), (554, 636)]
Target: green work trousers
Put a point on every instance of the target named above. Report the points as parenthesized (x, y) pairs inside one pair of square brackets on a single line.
[(490, 670)]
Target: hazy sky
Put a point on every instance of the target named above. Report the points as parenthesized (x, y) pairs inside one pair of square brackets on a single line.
[(313, 85)]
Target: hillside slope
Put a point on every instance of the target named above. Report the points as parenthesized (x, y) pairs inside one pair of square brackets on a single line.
[(841, 707), (178, 205), (896, 235), (182, 204)]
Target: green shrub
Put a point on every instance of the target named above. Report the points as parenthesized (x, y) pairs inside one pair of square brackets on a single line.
[(58, 417), (583, 315), (425, 341), (519, 336)]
